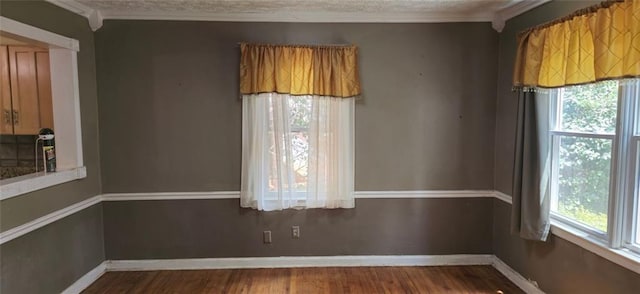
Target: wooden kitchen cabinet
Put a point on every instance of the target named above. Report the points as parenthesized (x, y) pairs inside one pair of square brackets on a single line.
[(6, 119), (26, 90)]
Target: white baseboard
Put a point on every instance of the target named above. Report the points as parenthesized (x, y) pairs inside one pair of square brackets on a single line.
[(523, 283), (87, 279), (302, 261), (298, 261)]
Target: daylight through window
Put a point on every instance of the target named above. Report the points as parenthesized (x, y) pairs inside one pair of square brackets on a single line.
[(595, 162)]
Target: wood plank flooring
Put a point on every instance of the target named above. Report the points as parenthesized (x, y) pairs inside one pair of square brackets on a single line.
[(444, 279)]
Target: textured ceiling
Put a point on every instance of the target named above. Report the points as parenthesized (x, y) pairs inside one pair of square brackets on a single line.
[(308, 6), (322, 11)]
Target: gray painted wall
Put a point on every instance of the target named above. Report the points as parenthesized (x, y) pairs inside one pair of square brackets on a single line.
[(50, 259), (220, 228), (170, 117), (171, 121), (53, 257), (558, 265), (24, 208)]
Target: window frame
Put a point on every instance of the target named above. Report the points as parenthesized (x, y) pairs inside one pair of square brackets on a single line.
[(630, 206), (555, 136), (631, 229), (257, 117), (298, 196), (624, 179)]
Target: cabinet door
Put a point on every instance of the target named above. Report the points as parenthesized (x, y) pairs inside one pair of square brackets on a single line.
[(45, 105), (25, 93), (6, 119)]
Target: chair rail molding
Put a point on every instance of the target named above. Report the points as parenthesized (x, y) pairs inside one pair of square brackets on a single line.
[(28, 227), (40, 222)]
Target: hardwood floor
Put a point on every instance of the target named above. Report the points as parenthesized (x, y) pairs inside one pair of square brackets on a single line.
[(450, 279)]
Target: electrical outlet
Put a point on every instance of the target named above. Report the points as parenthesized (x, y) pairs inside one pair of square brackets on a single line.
[(266, 237), (295, 232)]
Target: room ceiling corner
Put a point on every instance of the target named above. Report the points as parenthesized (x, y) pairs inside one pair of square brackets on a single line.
[(512, 10), (94, 16)]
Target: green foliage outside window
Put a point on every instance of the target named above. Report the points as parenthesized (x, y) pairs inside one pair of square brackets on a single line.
[(584, 163)]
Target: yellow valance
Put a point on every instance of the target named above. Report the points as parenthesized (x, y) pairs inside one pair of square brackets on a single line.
[(597, 43), (299, 70)]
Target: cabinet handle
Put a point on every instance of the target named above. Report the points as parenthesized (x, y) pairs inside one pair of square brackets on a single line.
[(7, 117), (16, 120)]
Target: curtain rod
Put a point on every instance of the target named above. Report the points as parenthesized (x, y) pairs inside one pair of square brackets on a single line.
[(297, 45), (580, 12)]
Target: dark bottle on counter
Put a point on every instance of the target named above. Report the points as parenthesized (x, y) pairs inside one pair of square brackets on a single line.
[(48, 149)]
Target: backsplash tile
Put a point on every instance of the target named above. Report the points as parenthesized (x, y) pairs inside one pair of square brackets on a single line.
[(8, 162), (17, 155), (26, 139), (26, 151), (8, 139), (28, 163), (8, 151)]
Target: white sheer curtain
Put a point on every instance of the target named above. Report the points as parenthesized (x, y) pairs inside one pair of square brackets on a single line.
[(297, 152)]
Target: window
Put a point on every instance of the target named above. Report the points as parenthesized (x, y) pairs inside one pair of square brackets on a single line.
[(299, 112), (297, 151), (582, 137), (595, 160), (632, 213), (298, 125)]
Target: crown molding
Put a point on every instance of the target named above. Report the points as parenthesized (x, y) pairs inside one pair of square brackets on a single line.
[(94, 16), (520, 7), (498, 23), (497, 19), (307, 17), (513, 9)]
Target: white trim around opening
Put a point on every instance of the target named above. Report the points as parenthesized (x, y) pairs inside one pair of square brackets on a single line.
[(65, 91)]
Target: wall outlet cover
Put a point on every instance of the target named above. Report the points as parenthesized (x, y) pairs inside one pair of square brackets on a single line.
[(295, 232)]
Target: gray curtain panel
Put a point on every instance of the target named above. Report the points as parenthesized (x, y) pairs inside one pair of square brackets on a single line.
[(532, 167)]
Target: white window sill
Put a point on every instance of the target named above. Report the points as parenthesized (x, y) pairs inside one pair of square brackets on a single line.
[(13, 187), (622, 257)]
